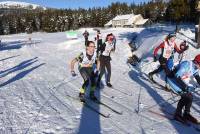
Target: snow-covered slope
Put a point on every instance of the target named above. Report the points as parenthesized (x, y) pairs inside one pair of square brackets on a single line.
[(35, 82), (17, 5)]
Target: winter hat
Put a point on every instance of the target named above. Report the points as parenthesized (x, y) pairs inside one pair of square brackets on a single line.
[(171, 35), (197, 59)]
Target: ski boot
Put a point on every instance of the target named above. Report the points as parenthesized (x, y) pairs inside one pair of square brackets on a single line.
[(180, 118), (92, 96), (82, 97), (151, 76), (108, 84), (189, 117)]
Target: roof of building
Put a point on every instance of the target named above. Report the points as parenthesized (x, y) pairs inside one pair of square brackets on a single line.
[(132, 19), (108, 23), (123, 17), (141, 22)]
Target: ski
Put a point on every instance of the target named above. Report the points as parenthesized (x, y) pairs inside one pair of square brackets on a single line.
[(107, 106), (120, 91), (169, 116), (195, 125), (158, 84), (93, 109), (86, 104)]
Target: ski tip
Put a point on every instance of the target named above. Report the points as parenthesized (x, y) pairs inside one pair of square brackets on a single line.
[(136, 111), (107, 116), (121, 112)]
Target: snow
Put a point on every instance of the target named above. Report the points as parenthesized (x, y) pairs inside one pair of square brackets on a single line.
[(35, 80), (11, 4)]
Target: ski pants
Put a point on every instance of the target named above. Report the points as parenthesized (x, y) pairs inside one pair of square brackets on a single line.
[(99, 43), (186, 97), (163, 66), (88, 76), (86, 40), (105, 64), (184, 102)]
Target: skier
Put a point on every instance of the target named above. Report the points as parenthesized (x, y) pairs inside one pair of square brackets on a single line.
[(87, 69), (167, 48), (179, 84), (99, 41), (86, 34), (105, 49)]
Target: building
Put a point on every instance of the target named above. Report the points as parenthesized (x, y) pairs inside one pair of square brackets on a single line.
[(128, 20)]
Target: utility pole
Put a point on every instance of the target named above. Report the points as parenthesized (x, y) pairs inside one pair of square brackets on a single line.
[(198, 33)]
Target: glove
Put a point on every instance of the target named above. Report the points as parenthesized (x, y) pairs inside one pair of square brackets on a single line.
[(186, 48), (73, 73), (190, 88), (154, 59), (95, 73)]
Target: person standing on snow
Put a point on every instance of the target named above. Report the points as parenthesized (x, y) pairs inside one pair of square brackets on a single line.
[(105, 49), (99, 41), (167, 47), (86, 35), (183, 72), (87, 69)]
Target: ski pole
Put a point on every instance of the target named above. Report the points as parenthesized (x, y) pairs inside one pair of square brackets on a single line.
[(121, 91)]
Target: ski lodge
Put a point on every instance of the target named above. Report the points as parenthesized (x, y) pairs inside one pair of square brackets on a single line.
[(128, 20)]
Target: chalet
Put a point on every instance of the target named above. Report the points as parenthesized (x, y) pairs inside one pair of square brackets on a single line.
[(128, 20)]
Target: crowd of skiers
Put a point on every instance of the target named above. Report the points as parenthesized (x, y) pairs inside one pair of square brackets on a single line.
[(93, 63)]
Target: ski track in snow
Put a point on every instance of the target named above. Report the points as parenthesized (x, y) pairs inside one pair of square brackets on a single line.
[(35, 79)]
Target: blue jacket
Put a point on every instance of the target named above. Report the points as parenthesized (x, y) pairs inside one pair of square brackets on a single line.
[(186, 69)]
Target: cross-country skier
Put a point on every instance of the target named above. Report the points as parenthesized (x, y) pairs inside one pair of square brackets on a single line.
[(87, 69), (179, 84), (167, 47), (86, 35), (105, 49), (98, 38)]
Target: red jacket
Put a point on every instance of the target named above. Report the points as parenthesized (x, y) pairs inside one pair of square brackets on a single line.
[(167, 49)]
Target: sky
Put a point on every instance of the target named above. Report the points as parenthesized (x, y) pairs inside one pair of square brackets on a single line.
[(76, 3)]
